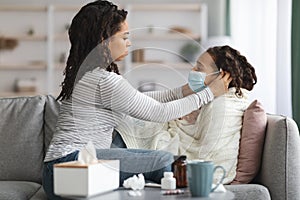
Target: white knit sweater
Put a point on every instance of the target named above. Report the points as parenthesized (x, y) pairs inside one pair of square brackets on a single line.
[(215, 135)]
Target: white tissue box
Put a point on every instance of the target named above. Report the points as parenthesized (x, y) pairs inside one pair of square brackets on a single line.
[(84, 180)]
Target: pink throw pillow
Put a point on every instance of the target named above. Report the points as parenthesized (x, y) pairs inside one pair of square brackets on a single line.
[(251, 143)]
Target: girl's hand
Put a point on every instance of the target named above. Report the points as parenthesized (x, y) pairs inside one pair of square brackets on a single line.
[(192, 117), (219, 86)]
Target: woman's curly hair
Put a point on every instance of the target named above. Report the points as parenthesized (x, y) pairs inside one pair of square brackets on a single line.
[(89, 35), (230, 60)]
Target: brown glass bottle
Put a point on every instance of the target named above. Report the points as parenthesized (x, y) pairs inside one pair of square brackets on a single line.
[(179, 170)]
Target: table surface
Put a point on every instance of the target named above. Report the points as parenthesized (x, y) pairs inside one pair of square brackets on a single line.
[(155, 193)]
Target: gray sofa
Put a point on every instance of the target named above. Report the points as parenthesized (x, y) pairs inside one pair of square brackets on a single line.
[(27, 124)]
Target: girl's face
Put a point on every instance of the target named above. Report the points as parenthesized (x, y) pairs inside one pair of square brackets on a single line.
[(119, 43), (206, 64)]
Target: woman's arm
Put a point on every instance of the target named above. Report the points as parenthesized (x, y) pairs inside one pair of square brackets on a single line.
[(122, 97), (165, 95), (186, 90), (170, 95)]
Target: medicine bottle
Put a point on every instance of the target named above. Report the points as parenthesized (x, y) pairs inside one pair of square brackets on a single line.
[(179, 169), (168, 182)]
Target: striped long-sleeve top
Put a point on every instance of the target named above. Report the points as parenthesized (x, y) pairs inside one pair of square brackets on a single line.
[(100, 99)]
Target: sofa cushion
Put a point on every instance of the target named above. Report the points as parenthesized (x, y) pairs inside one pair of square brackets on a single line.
[(21, 138), (20, 190), (39, 195), (249, 192), (251, 143)]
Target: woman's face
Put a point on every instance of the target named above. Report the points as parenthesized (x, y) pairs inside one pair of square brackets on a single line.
[(206, 64), (119, 43)]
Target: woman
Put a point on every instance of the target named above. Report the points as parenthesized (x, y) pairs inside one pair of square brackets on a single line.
[(95, 98), (213, 131)]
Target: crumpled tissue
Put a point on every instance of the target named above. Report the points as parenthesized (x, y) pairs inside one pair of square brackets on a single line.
[(88, 155), (135, 182)]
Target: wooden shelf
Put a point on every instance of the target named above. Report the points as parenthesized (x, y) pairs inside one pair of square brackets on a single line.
[(18, 94), (28, 37), (67, 8), (147, 36), (166, 36), (26, 66), (60, 66), (63, 36), (166, 7), (18, 8), (178, 65)]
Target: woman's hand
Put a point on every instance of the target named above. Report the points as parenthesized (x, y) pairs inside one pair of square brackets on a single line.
[(219, 86)]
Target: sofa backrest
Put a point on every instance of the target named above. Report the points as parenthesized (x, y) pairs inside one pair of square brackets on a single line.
[(280, 169), (24, 136), (50, 118)]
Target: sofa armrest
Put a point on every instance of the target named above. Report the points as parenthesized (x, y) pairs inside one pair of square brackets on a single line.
[(280, 170)]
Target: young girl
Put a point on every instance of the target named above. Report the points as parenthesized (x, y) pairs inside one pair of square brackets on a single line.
[(210, 133)]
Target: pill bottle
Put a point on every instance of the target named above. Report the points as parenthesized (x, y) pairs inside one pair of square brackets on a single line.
[(168, 182), (179, 170)]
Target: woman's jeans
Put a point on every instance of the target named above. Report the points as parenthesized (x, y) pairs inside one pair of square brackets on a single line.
[(132, 161)]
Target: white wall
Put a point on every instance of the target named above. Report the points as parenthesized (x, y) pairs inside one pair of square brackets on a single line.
[(254, 35), (283, 76), (261, 31)]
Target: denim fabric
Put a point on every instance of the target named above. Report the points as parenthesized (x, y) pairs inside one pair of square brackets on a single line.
[(48, 174), (132, 161), (117, 141), (151, 163)]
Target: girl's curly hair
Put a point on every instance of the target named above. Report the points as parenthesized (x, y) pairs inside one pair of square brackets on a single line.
[(230, 60), (89, 35)]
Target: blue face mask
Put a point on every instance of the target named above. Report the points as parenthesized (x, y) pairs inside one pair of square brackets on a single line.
[(196, 80)]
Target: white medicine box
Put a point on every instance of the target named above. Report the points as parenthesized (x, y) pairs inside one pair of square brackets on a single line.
[(84, 180)]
